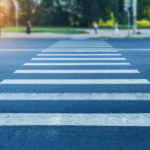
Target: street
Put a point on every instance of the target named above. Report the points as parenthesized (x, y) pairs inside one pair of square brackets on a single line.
[(75, 94)]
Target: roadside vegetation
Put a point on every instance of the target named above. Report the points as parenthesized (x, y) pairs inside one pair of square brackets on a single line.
[(63, 30), (74, 13), (66, 30)]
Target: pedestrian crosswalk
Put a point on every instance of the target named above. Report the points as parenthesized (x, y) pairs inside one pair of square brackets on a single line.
[(79, 55), (74, 96), (75, 50), (129, 120), (77, 64), (82, 59), (77, 71), (72, 58), (75, 81)]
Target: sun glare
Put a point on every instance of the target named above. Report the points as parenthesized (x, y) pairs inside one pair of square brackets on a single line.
[(5, 4), (6, 13)]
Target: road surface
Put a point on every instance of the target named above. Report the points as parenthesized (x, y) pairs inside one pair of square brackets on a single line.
[(75, 94)]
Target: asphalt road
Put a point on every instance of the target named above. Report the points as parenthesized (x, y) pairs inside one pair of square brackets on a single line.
[(65, 95)]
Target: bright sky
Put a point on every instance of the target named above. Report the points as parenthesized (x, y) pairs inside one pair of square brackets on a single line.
[(4, 3)]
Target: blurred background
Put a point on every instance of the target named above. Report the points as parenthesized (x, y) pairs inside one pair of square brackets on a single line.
[(44, 14)]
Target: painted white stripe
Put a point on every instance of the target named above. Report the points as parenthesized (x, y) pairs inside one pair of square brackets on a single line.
[(85, 46), (77, 64), (79, 43), (76, 71), (81, 50), (34, 50), (65, 119), (79, 54), (75, 96), (75, 81), (78, 58), (82, 46)]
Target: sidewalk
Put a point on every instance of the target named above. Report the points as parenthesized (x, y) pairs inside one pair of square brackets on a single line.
[(144, 33)]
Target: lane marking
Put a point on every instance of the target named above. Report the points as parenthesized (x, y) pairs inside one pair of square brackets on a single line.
[(74, 81), (69, 119), (79, 54), (76, 71), (75, 96), (78, 58), (81, 46), (77, 64), (81, 50), (35, 50), (78, 47)]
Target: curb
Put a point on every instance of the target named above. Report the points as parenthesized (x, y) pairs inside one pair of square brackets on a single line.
[(84, 37)]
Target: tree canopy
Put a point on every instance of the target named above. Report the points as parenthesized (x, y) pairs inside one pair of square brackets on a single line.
[(69, 12)]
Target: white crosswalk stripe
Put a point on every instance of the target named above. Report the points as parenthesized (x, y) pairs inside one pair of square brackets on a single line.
[(75, 81), (77, 64), (77, 43), (84, 51), (76, 71), (78, 58), (79, 54), (78, 50), (75, 96), (74, 119)]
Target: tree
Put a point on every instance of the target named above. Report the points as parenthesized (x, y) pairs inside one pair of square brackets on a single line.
[(93, 10), (27, 10), (69, 12), (7, 13), (54, 12), (143, 9)]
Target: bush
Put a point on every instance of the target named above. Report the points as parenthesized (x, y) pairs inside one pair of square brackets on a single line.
[(143, 22)]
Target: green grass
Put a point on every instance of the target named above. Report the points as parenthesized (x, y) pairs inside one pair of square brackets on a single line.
[(66, 30), (124, 27)]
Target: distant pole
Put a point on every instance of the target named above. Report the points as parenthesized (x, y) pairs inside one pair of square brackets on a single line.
[(129, 16), (17, 17), (116, 28), (127, 6), (17, 23), (134, 7), (0, 30)]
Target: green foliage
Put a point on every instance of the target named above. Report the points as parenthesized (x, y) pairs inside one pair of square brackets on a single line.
[(143, 9), (77, 12), (7, 13), (26, 10)]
